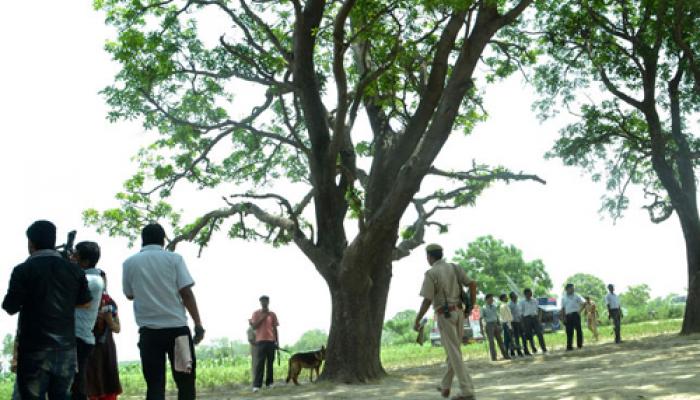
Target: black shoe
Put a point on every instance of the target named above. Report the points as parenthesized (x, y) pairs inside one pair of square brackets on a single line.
[(534, 350), (569, 349), (527, 353), (520, 353)]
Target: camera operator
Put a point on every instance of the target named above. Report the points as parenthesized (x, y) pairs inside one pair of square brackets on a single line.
[(86, 255), (45, 289)]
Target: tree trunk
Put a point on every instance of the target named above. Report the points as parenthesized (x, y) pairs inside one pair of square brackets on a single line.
[(359, 296), (691, 234)]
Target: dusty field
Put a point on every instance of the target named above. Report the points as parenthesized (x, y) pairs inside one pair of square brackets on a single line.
[(664, 367)]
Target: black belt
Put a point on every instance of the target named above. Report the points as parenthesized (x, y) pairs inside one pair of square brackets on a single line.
[(441, 310)]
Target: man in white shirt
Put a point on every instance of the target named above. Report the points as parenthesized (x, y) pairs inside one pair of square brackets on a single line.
[(86, 255), (571, 304), (161, 287), (614, 311), (532, 326)]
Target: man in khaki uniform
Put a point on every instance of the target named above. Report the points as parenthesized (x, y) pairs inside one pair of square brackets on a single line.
[(442, 288)]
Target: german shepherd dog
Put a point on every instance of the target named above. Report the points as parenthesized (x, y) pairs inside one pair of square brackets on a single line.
[(311, 360)]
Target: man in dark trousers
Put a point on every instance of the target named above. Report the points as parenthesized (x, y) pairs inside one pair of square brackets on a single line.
[(571, 304), (614, 311), (161, 287), (45, 290), (531, 322), (517, 324), (267, 340)]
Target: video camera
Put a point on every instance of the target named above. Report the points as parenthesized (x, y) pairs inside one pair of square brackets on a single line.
[(66, 249)]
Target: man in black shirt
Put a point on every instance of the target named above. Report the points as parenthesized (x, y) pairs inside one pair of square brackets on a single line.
[(45, 290)]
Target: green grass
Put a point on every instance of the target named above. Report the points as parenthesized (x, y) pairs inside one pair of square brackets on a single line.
[(234, 372)]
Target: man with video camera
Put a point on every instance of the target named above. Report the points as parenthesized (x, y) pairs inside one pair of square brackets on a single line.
[(45, 290)]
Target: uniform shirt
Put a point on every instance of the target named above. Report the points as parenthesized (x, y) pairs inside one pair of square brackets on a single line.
[(443, 283), (45, 290), (571, 303), (515, 311), (504, 313), (591, 310), (612, 301), (266, 330), (489, 313), (85, 317), (154, 278), (530, 308)]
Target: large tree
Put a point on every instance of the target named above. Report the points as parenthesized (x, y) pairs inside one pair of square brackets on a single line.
[(259, 101), (587, 285), (630, 71), (498, 267)]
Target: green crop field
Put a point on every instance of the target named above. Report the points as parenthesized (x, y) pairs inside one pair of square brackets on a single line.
[(234, 372)]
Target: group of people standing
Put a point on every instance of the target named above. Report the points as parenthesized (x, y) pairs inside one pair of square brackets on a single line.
[(514, 322), (511, 324), (507, 325), (64, 344)]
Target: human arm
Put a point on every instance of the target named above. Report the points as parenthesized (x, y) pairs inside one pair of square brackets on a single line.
[(126, 283), (258, 318), (275, 325), (190, 303), (112, 320), (424, 307), (84, 298), (16, 292)]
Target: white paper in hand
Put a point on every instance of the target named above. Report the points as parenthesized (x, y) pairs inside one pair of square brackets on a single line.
[(183, 355)]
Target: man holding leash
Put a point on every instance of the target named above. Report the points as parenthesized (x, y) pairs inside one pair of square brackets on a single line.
[(442, 287), (265, 324)]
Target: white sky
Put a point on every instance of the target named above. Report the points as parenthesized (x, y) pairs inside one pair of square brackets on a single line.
[(60, 156)]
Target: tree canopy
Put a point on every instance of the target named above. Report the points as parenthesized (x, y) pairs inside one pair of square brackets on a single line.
[(301, 116), (636, 296), (311, 340), (629, 70), (588, 285), (492, 263)]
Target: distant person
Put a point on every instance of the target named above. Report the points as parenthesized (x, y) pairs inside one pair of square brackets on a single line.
[(103, 367), (161, 287), (45, 289), (267, 341), (517, 324), (614, 311), (506, 318), (489, 314), (571, 305), (251, 341), (442, 287), (531, 322), (591, 313), (86, 255)]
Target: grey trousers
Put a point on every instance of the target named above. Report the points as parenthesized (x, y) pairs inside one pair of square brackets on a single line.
[(493, 331)]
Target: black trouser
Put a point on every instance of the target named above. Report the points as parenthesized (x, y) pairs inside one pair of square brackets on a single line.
[(532, 327), (517, 335), (83, 350), (573, 322), (154, 345), (616, 316), (264, 363)]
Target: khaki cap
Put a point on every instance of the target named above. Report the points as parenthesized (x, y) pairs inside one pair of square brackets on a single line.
[(433, 247)]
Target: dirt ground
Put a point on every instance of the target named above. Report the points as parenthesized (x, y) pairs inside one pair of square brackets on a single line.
[(663, 367)]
